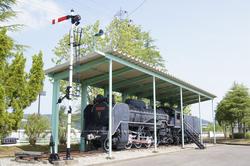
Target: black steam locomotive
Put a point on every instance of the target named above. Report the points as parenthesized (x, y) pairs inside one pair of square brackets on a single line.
[(132, 125)]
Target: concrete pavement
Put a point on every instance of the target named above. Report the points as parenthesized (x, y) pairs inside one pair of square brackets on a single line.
[(221, 155)]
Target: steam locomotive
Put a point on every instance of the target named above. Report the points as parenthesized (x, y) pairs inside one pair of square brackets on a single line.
[(132, 124)]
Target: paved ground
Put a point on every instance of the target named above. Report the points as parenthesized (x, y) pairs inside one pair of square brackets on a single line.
[(221, 155)]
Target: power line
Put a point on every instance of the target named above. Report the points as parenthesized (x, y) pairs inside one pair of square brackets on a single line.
[(133, 11), (90, 8)]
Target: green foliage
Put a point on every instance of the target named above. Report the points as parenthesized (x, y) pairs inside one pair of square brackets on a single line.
[(247, 136), (131, 39), (120, 35), (18, 89), (62, 125), (238, 135), (35, 127), (210, 127), (5, 46), (187, 110), (62, 50), (36, 77), (6, 11), (234, 107)]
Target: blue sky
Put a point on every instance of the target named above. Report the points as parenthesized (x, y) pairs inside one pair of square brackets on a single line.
[(206, 43)]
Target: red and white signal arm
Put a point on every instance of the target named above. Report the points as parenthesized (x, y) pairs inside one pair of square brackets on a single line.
[(60, 19)]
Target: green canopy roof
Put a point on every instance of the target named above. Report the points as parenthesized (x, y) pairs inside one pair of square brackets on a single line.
[(132, 76)]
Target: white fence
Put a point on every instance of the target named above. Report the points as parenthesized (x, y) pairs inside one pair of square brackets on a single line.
[(23, 138)]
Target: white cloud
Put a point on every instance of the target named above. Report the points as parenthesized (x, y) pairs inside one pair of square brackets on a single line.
[(37, 13)]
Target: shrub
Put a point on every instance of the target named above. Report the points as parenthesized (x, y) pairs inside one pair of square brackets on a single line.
[(247, 136), (238, 135), (35, 127)]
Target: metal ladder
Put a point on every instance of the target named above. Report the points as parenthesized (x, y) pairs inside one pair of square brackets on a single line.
[(193, 135)]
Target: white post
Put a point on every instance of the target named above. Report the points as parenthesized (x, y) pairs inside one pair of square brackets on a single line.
[(213, 115), (201, 140), (70, 88), (182, 120), (110, 109), (155, 130)]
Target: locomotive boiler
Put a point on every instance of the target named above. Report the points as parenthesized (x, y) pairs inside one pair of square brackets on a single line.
[(132, 124)]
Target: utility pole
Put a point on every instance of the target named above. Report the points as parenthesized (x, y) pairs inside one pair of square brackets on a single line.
[(122, 14), (42, 93), (75, 21)]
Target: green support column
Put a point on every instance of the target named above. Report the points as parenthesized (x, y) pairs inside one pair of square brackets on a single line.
[(55, 113), (182, 119), (110, 110), (84, 102), (214, 125), (201, 139), (155, 129)]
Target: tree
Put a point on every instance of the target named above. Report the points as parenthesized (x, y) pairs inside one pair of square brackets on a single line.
[(7, 13), (131, 39), (187, 110), (119, 34), (62, 125), (35, 127), (210, 127), (18, 89), (234, 107)]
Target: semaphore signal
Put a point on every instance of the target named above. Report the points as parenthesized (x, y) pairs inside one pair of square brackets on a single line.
[(75, 21)]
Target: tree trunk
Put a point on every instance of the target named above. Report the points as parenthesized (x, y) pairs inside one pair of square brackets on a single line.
[(244, 129), (232, 130), (225, 132), (239, 127)]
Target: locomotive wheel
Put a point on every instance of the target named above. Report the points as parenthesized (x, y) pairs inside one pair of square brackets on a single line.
[(148, 145), (106, 145), (138, 145), (177, 140), (128, 146)]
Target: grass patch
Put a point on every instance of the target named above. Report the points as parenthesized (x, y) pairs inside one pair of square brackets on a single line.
[(9, 151), (235, 141)]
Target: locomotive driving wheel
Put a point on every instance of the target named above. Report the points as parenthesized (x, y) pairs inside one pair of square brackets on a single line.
[(148, 138), (128, 146), (106, 144), (130, 140), (138, 145)]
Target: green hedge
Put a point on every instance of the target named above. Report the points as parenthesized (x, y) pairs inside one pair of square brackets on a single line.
[(238, 135), (247, 135)]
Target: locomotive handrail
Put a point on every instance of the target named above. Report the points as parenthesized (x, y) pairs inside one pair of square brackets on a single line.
[(189, 127), (148, 113), (140, 123)]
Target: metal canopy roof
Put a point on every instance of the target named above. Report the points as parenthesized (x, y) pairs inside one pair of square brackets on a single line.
[(130, 75)]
